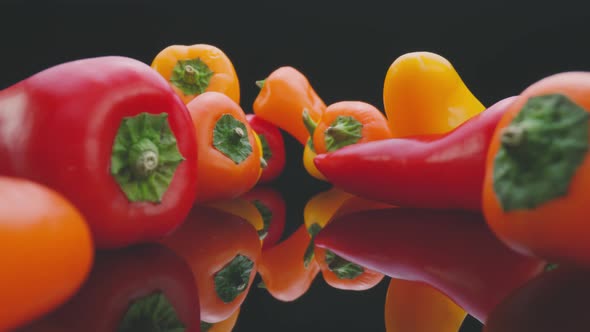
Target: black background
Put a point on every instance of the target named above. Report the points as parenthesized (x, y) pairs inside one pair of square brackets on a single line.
[(344, 48)]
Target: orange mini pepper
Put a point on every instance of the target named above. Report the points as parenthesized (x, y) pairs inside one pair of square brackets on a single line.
[(229, 154), (414, 306), (283, 272), (223, 251), (282, 98), (424, 94), (192, 70)]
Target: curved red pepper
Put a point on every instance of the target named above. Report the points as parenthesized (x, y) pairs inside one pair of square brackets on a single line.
[(451, 250), (273, 147), (111, 299), (444, 172), (272, 207), (58, 128)]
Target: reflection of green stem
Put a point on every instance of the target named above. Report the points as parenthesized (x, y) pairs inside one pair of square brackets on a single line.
[(151, 313), (342, 268), (233, 279), (313, 231)]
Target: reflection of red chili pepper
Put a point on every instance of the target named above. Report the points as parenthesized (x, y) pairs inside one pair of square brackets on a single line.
[(222, 250), (446, 172), (110, 135), (554, 301), (273, 147), (272, 207), (142, 288), (463, 258), (282, 270)]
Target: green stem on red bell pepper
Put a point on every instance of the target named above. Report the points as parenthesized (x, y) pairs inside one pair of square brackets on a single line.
[(233, 279), (191, 76), (152, 312), (144, 157)]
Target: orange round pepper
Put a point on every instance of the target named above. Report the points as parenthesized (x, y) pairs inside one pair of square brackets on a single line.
[(285, 93), (283, 272), (229, 156), (535, 196), (349, 122), (424, 94), (192, 70), (218, 246), (413, 306), (45, 248)]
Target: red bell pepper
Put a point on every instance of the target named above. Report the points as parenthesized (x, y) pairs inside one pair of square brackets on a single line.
[(110, 135), (273, 147), (555, 301), (451, 250), (441, 172), (141, 288), (272, 207)]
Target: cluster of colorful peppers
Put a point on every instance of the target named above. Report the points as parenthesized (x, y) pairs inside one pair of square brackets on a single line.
[(109, 152)]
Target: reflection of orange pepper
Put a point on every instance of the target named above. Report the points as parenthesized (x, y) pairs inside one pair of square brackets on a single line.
[(342, 274), (192, 70), (413, 306), (229, 157), (222, 250), (282, 270), (284, 95), (241, 208), (223, 326)]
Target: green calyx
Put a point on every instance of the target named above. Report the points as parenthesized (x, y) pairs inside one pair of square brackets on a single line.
[(230, 137), (310, 125), (342, 268), (205, 326), (145, 156), (260, 83), (313, 231), (540, 152), (191, 76), (551, 267), (345, 130), (233, 279), (151, 313), (266, 214)]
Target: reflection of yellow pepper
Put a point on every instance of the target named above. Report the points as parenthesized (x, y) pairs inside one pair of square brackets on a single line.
[(262, 161), (241, 208), (423, 94), (413, 306)]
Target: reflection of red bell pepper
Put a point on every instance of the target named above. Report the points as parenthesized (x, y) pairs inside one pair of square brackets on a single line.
[(111, 136), (271, 206), (554, 301), (446, 172), (282, 270), (273, 147), (142, 288), (222, 250), (413, 306), (462, 257)]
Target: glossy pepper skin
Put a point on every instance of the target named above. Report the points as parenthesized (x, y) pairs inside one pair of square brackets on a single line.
[(229, 162), (111, 124), (464, 259), (38, 228), (445, 172), (273, 147), (226, 325), (414, 306), (272, 207), (538, 171), (423, 94), (554, 301), (223, 251), (194, 69), (285, 93), (140, 288), (282, 270)]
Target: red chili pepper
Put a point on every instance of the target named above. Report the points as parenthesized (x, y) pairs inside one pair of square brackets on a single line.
[(272, 207), (273, 147), (442, 172), (141, 288), (451, 250), (111, 136)]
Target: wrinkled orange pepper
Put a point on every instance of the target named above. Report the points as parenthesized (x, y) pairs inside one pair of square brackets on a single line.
[(193, 70), (424, 94), (223, 252), (282, 270), (413, 306)]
